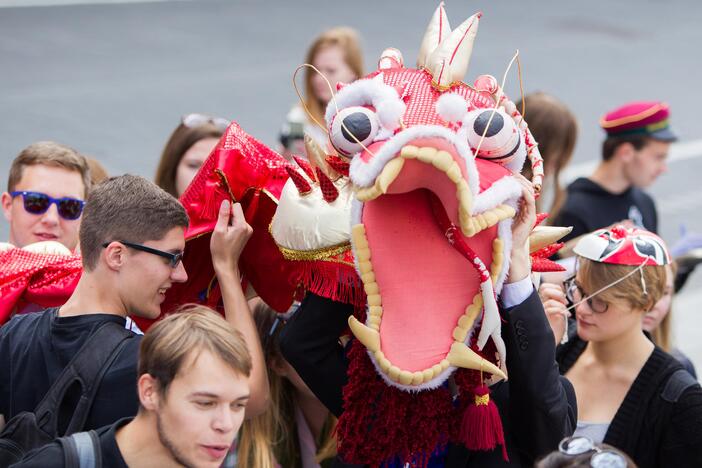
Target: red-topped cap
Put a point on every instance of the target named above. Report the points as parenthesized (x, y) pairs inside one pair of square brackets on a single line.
[(640, 118)]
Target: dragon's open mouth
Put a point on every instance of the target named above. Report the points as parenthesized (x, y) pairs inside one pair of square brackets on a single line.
[(419, 330)]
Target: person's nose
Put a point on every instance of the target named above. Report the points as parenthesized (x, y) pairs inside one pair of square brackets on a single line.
[(179, 275), (51, 216), (224, 420)]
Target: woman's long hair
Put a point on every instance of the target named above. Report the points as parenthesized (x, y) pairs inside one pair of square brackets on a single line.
[(270, 439), (555, 129)]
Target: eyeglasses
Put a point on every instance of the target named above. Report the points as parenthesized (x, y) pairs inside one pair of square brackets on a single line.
[(173, 258), (197, 120), (39, 203), (600, 458), (575, 294)]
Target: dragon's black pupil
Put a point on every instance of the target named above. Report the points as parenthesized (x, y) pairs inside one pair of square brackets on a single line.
[(482, 121), (358, 124)]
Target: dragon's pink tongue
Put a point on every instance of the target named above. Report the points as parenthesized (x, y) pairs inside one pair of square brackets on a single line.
[(425, 285)]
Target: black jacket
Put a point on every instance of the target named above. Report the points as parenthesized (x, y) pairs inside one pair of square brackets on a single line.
[(589, 207), (537, 405), (653, 430)]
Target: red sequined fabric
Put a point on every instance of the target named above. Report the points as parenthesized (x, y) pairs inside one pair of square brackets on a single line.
[(32, 278)]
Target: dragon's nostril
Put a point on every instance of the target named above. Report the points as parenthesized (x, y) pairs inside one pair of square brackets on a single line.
[(359, 125), (481, 122)]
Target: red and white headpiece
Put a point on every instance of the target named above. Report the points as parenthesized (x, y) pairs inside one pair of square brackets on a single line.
[(622, 246)]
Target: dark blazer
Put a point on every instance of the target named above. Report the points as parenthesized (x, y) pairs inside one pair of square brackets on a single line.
[(537, 405)]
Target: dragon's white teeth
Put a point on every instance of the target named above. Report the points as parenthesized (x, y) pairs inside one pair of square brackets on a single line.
[(442, 161), (388, 175)]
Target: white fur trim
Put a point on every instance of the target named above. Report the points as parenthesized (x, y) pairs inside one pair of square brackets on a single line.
[(390, 111), (451, 107), (504, 232), (517, 162), (356, 218), (499, 192), (369, 91), (363, 174)]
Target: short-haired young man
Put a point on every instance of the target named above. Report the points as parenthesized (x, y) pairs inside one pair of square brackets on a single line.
[(46, 189), (633, 156), (132, 240), (193, 390)]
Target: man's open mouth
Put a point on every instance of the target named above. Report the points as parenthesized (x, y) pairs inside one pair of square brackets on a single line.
[(424, 296)]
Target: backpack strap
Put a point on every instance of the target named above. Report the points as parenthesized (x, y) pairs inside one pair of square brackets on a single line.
[(82, 450), (678, 382), (87, 368)]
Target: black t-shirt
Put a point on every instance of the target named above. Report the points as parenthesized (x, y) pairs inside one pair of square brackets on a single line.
[(52, 454), (35, 348), (589, 207)]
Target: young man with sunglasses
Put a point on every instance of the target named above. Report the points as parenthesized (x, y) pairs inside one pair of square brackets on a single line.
[(132, 241), (46, 189)]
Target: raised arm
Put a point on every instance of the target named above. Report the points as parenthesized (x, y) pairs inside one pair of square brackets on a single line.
[(228, 240), (542, 404)]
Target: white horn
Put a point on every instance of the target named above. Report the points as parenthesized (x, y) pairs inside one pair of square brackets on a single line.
[(437, 30), (449, 62)]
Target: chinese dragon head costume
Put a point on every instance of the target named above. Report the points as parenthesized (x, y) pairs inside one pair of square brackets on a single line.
[(410, 222)]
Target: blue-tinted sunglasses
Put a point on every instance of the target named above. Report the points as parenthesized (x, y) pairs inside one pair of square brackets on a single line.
[(38, 203)]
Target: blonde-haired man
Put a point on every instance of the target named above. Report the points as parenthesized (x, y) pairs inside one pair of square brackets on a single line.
[(193, 389)]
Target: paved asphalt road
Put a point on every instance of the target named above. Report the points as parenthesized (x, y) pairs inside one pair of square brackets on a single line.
[(113, 78)]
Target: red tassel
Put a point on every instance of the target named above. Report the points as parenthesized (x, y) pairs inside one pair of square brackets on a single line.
[(211, 201), (339, 165), (329, 191), (305, 166), (482, 426), (302, 185)]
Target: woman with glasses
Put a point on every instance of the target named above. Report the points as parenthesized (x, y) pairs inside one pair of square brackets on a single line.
[(186, 150), (630, 393)]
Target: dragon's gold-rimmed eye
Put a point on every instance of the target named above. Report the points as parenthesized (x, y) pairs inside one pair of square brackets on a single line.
[(360, 126)]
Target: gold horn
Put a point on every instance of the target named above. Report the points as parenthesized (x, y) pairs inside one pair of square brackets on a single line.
[(366, 335), (541, 236), (461, 355)]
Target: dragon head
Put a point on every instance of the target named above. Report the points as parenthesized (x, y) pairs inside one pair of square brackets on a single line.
[(432, 162)]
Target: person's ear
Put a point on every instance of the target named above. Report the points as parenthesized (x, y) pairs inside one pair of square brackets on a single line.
[(115, 255), (6, 201), (148, 389), (278, 366), (625, 152)]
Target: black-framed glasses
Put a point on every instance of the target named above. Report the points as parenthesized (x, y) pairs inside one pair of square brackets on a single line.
[(173, 258), (197, 120), (600, 458), (575, 294), (39, 203)]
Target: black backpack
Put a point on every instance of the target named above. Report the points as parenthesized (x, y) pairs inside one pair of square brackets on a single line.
[(29, 430)]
